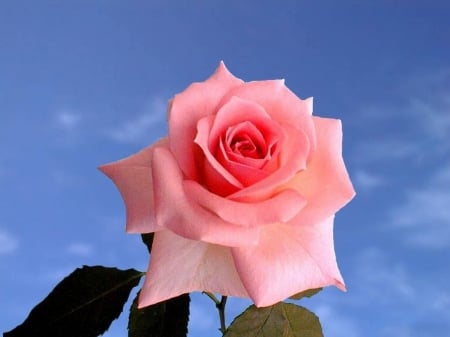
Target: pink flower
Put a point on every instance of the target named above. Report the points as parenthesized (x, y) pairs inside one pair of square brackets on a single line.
[(241, 194)]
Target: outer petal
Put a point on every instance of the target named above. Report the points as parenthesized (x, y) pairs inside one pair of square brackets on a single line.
[(178, 266), (133, 178), (280, 208), (325, 183), (188, 107), (176, 211), (288, 260), (281, 104)]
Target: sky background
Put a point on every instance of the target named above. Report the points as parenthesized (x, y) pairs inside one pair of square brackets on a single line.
[(83, 83)]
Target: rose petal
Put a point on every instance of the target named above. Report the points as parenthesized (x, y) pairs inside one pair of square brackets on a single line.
[(235, 111), (211, 128), (288, 260), (176, 211), (247, 175), (186, 108), (280, 208), (292, 159), (248, 170), (244, 143), (216, 182), (325, 183), (281, 104), (221, 180), (179, 266), (133, 178)]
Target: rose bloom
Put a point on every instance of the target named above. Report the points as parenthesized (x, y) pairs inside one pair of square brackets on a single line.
[(241, 194)]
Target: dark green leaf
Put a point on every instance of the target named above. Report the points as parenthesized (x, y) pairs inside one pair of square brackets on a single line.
[(166, 319), (147, 238), (279, 320), (82, 305), (306, 293)]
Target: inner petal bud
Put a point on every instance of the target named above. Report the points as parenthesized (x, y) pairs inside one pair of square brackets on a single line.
[(245, 140), (241, 145)]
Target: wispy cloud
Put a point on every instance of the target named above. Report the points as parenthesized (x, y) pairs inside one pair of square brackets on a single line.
[(386, 150), (441, 302), (425, 215), (139, 128), (412, 146), (335, 324), (434, 114), (398, 330), (386, 284), (67, 120), (382, 281), (367, 180), (383, 287), (79, 249), (431, 103), (417, 129), (8, 242), (67, 128)]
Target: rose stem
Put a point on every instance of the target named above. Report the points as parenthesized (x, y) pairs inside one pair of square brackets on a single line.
[(220, 305)]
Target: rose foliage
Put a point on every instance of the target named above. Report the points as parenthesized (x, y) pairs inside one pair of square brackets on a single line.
[(241, 194)]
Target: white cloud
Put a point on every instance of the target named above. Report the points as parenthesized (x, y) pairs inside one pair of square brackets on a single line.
[(414, 146), (425, 215), (79, 249), (139, 128), (335, 324), (434, 114), (398, 330), (430, 104), (383, 284), (383, 288), (366, 180), (67, 129), (8, 243), (382, 281), (386, 151), (414, 130), (68, 120), (440, 301)]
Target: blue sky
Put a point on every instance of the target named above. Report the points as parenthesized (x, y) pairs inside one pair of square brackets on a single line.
[(86, 82)]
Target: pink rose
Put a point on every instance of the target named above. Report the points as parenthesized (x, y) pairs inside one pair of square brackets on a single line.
[(241, 194)]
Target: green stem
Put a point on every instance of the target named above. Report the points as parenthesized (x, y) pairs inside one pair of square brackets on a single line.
[(212, 296), (220, 305), (221, 308)]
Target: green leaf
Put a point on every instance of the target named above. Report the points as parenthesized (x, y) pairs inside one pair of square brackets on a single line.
[(279, 320), (147, 239), (83, 304), (306, 293), (165, 319)]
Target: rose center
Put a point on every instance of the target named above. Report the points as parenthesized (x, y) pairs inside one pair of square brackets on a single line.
[(245, 146), (245, 140)]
